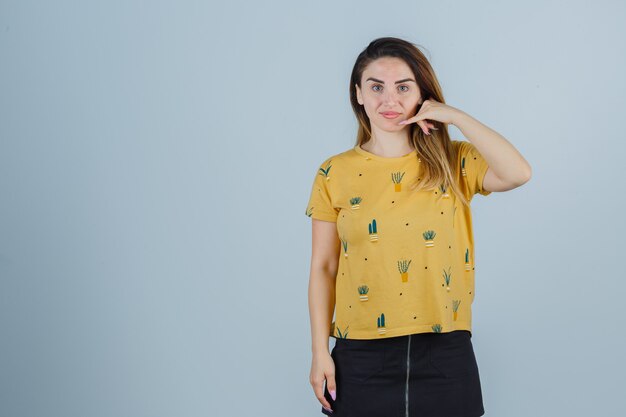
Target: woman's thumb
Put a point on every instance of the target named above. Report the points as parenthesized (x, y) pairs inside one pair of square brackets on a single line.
[(331, 387)]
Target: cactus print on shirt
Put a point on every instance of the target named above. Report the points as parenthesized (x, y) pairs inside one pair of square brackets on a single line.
[(406, 261)]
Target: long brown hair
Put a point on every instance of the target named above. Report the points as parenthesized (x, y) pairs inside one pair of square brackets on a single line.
[(436, 151)]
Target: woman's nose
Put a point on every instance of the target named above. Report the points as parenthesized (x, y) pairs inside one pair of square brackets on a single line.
[(390, 97)]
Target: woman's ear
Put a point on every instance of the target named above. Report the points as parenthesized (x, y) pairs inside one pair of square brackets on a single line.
[(358, 94)]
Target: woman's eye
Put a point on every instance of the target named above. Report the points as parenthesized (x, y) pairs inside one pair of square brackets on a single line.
[(406, 87)]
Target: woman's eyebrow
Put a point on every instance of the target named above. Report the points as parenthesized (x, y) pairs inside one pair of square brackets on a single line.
[(397, 82)]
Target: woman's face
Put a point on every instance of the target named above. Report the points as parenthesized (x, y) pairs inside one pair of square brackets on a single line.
[(388, 86)]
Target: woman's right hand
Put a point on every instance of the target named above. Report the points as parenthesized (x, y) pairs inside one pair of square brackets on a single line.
[(323, 369)]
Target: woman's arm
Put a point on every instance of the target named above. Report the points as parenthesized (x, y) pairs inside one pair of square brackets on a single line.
[(324, 263), (507, 167)]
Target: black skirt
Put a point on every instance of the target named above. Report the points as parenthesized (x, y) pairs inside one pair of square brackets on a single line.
[(418, 375)]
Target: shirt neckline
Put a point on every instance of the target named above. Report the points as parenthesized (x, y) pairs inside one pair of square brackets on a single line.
[(370, 155)]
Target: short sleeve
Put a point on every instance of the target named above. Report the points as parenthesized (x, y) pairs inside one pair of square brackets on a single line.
[(320, 205), (473, 168)]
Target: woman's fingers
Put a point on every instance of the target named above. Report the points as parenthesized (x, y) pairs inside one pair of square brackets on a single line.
[(318, 387), (423, 124), (331, 386)]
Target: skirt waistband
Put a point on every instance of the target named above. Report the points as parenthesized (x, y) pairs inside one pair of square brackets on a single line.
[(400, 341)]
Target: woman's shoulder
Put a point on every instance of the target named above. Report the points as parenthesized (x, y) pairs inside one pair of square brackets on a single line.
[(341, 158), (462, 146), (457, 144)]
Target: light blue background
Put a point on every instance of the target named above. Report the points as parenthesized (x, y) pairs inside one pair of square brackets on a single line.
[(156, 159)]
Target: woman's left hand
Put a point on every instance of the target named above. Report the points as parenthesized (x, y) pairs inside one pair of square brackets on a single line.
[(432, 110)]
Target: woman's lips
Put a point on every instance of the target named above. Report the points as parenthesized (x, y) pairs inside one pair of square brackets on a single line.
[(390, 114)]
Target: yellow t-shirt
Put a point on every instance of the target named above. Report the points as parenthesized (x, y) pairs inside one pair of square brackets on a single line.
[(406, 261)]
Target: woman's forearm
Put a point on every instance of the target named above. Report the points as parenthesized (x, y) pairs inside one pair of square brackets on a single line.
[(321, 307), (503, 158)]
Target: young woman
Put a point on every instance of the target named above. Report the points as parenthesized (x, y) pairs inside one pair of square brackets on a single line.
[(393, 250)]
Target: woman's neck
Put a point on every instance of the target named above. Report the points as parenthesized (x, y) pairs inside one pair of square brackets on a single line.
[(387, 148)]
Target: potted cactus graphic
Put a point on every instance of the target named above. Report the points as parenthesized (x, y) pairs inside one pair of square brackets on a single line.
[(403, 267), (447, 277), (381, 324), (467, 264), (326, 171), (344, 245), (363, 290), (429, 235), (455, 308), (396, 177), (354, 203), (436, 328), (343, 335), (444, 193), (463, 166), (373, 231)]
